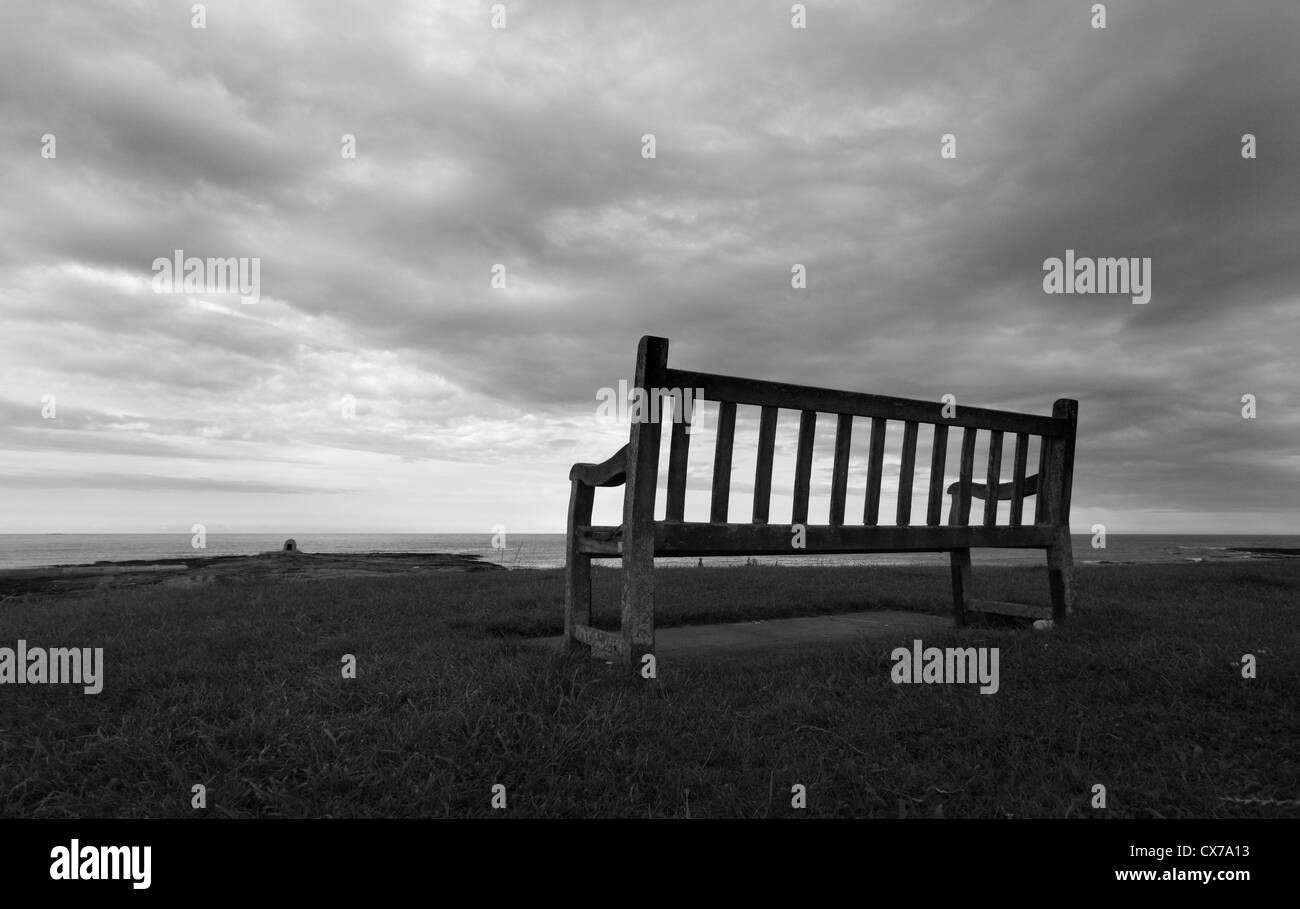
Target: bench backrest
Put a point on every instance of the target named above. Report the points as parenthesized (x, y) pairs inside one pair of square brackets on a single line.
[(1055, 467)]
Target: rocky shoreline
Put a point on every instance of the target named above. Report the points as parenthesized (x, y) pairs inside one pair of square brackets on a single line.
[(74, 580)]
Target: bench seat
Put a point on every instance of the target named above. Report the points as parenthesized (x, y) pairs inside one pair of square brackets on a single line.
[(682, 538)]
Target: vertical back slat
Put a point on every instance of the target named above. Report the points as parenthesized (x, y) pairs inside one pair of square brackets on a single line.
[(905, 471), (875, 468), (763, 472), (938, 458), (840, 473), (1018, 479), (965, 476), (722, 462), (1040, 500), (678, 451), (994, 478), (803, 466)]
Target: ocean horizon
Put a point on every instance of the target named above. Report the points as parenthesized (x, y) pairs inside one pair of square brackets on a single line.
[(546, 550)]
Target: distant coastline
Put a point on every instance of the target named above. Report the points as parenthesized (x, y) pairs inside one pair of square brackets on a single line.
[(74, 580), (547, 550), (104, 575)]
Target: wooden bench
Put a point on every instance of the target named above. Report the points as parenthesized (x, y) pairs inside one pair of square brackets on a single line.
[(640, 537)]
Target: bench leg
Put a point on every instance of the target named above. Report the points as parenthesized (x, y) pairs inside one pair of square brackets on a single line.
[(638, 609), (1060, 576), (960, 585), (577, 600), (577, 570)]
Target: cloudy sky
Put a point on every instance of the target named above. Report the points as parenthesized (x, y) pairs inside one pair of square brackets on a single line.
[(522, 146)]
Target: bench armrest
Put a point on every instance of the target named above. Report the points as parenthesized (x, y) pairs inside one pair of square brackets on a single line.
[(612, 472), (1004, 490)]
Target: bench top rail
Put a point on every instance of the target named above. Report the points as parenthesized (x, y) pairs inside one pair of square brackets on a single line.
[(736, 390)]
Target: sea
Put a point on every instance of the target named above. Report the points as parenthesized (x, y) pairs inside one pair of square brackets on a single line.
[(546, 550)]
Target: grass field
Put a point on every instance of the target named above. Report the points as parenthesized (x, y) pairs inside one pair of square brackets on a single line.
[(238, 688)]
